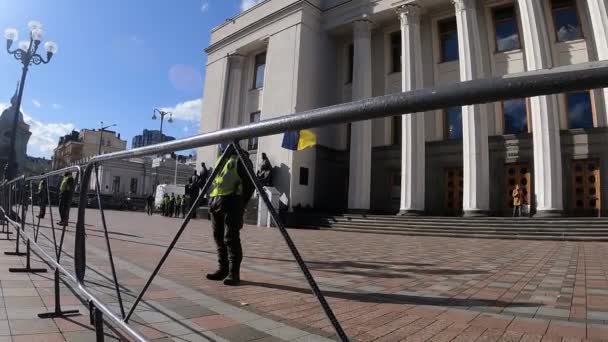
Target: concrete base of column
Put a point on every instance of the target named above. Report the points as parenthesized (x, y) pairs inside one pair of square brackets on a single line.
[(411, 213), (358, 211), (475, 213), (549, 213)]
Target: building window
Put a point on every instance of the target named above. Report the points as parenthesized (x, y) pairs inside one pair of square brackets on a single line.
[(133, 186), (515, 116), (397, 127), (506, 30), (116, 184), (580, 114), (260, 67), (448, 37), (453, 123), (565, 20), (303, 176), (252, 144), (351, 61), (396, 51)]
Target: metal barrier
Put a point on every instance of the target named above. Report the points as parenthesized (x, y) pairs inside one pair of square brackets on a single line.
[(12, 193)]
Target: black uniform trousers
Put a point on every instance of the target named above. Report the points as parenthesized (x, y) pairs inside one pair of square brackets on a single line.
[(65, 201), (227, 221)]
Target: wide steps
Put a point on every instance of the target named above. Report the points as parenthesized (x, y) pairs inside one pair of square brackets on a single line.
[(558, 229)]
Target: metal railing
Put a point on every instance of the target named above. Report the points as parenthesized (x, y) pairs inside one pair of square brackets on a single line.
[(529, 84)]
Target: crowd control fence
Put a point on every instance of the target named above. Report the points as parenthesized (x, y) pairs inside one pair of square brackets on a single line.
[(16, 195)]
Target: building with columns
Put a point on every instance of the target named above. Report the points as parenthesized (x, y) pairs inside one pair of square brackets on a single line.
[(286, 56)]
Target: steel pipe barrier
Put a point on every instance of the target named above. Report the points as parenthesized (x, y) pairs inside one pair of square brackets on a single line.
[(13, 193)]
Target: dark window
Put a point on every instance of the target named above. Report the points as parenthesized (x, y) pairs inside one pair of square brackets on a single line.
[(260, 66), (133, 186), (506, 30), (453, 123), (303, 176), (253, 142), (351, 61), (565, 20), (116, 184), (448, 36), (516, 120), (580, 114), (396, 51), (397, 127)]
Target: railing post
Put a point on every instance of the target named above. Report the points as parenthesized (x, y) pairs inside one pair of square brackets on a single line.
[(58, 312), (28, 268)]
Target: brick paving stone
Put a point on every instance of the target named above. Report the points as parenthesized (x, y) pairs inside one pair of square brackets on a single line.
[(491, 335), (511, 336), (492, 321), (529, 326), (469, 334), (56, 337), (567, 329), (214, 322)]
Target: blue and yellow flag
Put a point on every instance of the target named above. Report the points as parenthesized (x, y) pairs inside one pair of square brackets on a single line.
[(299, 140)]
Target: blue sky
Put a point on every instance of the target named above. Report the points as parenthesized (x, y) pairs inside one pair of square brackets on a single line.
[(117, 60)]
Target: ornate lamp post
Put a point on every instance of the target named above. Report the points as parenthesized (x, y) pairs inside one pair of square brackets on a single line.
[(162, 115), (27, 54), (101, 135), (162, 118)]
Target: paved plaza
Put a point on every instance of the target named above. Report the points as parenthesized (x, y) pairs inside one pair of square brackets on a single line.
[(381, 287)]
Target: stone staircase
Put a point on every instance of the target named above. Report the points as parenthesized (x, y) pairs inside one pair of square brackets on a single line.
[(559, 229)]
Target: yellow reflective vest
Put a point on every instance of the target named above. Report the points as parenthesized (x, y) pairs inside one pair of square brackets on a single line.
[(227, 181), (66, 184)]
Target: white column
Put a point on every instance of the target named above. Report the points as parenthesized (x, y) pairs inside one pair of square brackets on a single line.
[(359, 182), (598, 12), (545, 113), (476, 172), (233, 98), (412, 138)]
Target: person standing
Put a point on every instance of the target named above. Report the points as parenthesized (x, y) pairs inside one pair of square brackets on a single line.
[(178, 205), (516, 194), (42, 198), (66, 191), (185, 204), (264, 173), (232, 189), (171, 209), (165, 204), (150, 204)]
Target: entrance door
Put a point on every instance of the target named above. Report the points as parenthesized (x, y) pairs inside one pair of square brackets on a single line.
[(518, 173), (453, 190), (586, 186)]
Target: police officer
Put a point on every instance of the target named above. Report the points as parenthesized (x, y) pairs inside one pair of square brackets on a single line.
[(178, 205), (66, 190), (171, 209), (185, 204), (42, 198), (232, 188)]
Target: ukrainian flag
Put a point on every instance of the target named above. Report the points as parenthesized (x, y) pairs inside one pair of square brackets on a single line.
[(297, 141)]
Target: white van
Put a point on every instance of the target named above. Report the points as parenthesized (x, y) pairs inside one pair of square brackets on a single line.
[(168, 189)]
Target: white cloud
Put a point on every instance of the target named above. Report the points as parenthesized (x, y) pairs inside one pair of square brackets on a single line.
[(204, 6), (247, 4), (188, 111), (36, 103), (57, 106), (44, 135)]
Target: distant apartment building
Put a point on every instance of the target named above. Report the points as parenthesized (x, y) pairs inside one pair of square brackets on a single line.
[(77, 146), (149, 137)]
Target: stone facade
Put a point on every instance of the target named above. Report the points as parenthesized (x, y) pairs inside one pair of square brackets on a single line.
[(78, 146), (286, 56)]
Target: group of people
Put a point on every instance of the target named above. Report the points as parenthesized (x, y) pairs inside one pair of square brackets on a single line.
[(172, 206)]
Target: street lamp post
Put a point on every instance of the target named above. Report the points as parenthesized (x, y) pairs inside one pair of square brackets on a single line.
[(101, 135), (162, 115), (27, 54)]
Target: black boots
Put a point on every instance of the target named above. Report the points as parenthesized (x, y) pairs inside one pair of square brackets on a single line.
[(218, 275)]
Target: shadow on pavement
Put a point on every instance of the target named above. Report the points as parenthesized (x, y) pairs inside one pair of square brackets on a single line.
[(380, 298)]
